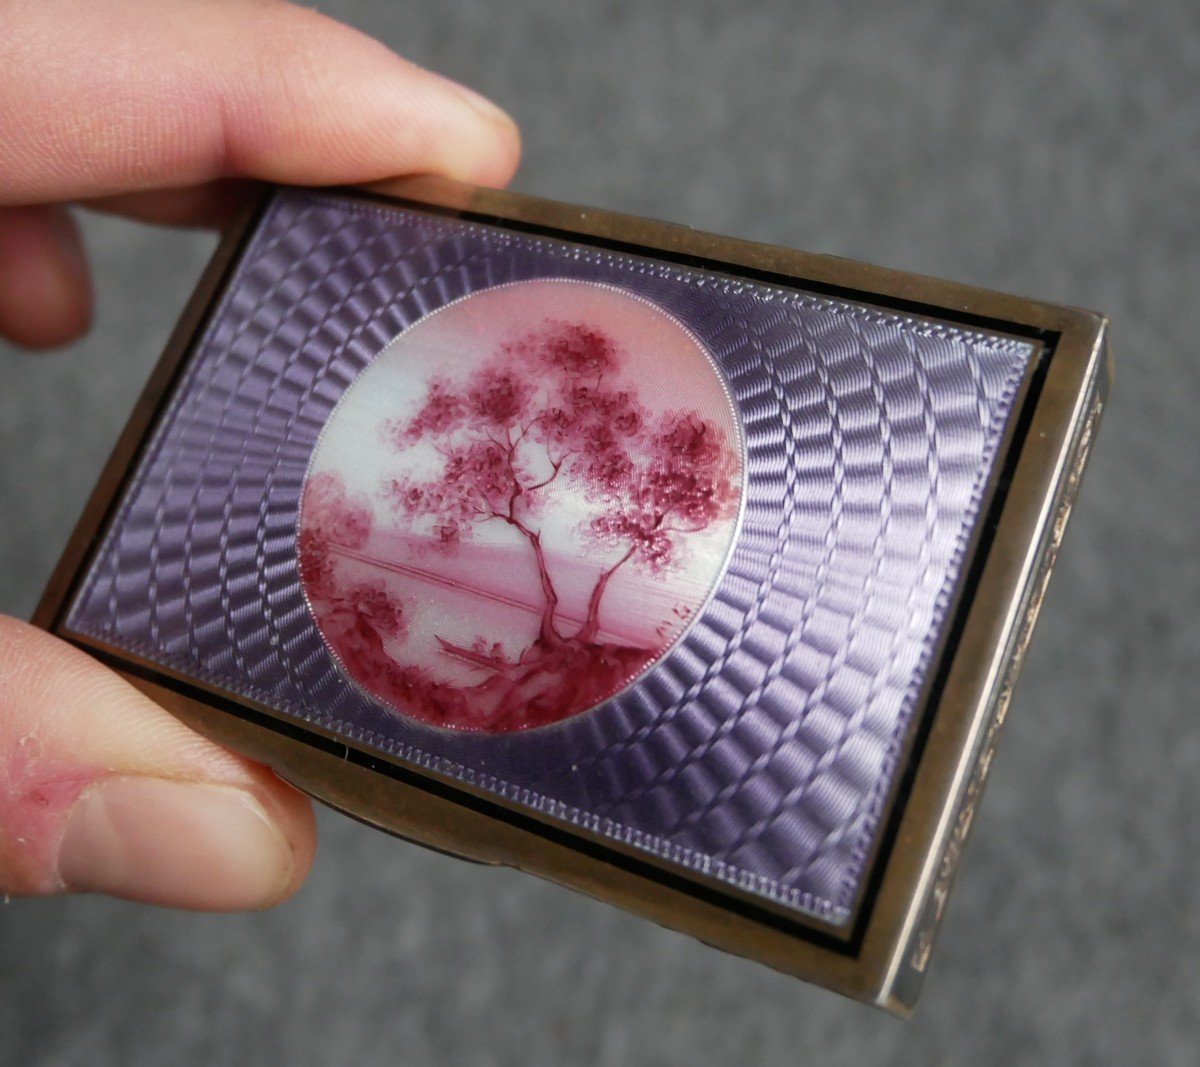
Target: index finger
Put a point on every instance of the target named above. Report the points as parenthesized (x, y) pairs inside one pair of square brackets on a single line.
[(100, 99)]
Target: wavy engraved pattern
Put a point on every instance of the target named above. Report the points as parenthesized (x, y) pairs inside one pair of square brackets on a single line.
[(760, 749)]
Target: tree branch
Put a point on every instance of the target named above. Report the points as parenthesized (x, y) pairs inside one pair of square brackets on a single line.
[(542, 484), (591, 626)]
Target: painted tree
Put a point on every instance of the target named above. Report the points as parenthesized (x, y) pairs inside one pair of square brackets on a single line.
[(549, 408), (549, 417), (356, 617)]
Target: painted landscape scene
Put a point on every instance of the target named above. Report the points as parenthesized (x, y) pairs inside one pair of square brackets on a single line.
[(519, 505)]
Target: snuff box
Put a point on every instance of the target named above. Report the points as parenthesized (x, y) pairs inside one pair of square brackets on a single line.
[(689, 573)]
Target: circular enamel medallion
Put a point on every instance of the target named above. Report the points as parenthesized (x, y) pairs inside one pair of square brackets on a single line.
[(520, 504)]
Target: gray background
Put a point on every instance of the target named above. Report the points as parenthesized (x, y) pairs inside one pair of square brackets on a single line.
[(1044, 150)]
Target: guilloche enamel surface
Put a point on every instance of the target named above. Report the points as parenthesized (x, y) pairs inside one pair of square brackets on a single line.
[(519, 504), (654, 551)]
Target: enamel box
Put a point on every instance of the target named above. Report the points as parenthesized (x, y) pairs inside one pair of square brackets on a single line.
[(689, 573)]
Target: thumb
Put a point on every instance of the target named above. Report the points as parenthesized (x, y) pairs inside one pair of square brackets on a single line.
[(101, 790)]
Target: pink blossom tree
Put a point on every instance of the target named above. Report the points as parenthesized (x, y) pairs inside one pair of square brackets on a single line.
[(552, 407), (549, 411), (355, 617)]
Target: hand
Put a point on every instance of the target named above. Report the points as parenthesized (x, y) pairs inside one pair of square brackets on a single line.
[(159, 110)]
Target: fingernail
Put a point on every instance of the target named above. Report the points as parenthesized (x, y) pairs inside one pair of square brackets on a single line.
[(177, 844), (483, 106)]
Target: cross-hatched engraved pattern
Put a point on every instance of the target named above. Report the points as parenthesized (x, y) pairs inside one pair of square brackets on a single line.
[(760, 749)]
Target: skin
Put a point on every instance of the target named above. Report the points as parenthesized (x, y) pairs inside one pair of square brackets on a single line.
[(162, 111)]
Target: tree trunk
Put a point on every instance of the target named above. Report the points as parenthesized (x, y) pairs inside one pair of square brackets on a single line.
[(548, 636), (591, 626)]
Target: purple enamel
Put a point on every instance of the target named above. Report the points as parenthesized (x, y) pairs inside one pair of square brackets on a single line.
[(760, 747)]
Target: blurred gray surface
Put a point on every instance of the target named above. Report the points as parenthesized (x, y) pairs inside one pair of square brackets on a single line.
[(1045, 150)]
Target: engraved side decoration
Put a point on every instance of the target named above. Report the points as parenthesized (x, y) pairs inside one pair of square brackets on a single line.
[(519, 505)]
